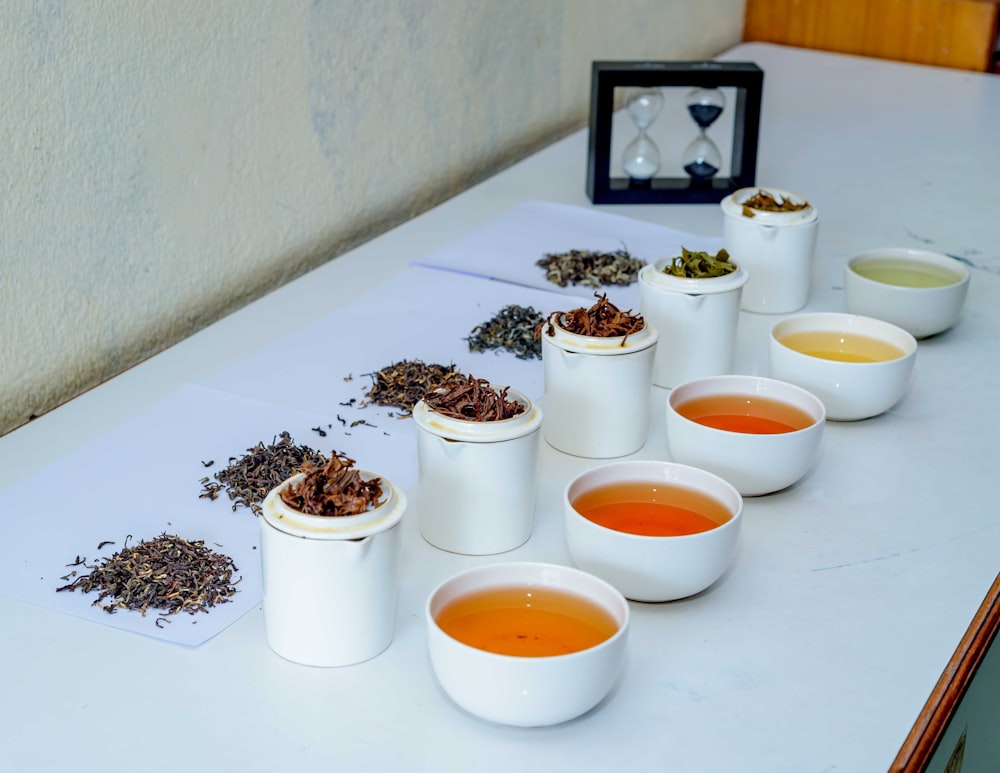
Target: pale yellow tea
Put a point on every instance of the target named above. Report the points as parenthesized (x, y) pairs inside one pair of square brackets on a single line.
[(905, 273), (844, 347)]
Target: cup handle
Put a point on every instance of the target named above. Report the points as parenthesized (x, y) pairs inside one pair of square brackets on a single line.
[(769, 232)]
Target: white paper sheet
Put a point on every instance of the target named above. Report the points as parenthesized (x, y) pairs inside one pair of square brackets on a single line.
[(422, 314), (508, 246), (141, 478)]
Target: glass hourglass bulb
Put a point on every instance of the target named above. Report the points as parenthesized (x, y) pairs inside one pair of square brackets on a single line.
[(643, 105), (641, 159), (701, 159), (705, 105)]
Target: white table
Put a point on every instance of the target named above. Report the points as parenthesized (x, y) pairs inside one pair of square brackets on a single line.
[(849, 592)]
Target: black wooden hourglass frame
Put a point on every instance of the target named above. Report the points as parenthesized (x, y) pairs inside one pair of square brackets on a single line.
[(746, 78)]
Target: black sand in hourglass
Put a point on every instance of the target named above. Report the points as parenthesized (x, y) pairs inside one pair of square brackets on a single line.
[(701, 158)]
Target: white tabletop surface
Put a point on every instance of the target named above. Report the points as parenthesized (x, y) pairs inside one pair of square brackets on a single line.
[(816, 651)]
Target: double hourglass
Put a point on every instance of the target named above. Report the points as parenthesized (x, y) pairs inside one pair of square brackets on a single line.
[(701, 159)]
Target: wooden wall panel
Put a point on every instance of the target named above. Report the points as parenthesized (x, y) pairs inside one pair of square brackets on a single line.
[(949, 33)]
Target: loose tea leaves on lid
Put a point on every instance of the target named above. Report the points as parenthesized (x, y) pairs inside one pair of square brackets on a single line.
[(335, 489), (602, 320), (700, 265), (591, 269), (473, 400), (248, 479), (765, 202), (167, 573), (403, 384), (513, 329)]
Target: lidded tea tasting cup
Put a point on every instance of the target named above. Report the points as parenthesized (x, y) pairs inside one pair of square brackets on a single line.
[(330, 582), (477, 478), (920, 291), (653, 568), (596, 390), (527, 691), (776, 248), (696, 319), (812, 351), (759, 434)]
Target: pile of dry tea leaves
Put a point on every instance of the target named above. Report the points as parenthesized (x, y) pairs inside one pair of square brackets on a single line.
[(473, 400), (334, 489), (403, 384), (248, 479), (591, 269), (168, 574), (700, 265), (513, 329), (765, 202), (602, 320)]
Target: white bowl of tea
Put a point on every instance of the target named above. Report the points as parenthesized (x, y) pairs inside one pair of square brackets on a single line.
[(858, 366), (527, 644), (657, 531), (920, 291), (759, 434)]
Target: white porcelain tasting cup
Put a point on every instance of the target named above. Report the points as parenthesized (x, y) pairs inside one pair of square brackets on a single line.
[(776, 248), (850, 391), (755, 464), (648, 568), (696, 320), (526, 691), (920, 311), (477, 479), (597, 391), (330, 583)]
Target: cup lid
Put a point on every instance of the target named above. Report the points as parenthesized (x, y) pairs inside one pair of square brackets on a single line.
[(480, 431), (652, 274), (733, 205), (600, 345), (381, 517)]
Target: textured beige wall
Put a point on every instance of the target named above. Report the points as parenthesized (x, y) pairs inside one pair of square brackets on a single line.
[(166, 162)]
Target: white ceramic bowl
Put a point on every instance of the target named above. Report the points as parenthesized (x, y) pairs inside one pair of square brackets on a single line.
[(527, 691), (882, 283), (850, 391), (660, 568), (755, 463)]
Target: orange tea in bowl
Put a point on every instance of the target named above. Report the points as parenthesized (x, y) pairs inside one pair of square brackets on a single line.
[(527, 621), (651, 509), (752, 414)]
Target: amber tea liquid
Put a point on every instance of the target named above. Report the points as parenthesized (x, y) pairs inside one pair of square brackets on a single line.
[(744, 413), (844, 347), (527, 621), (652, 509)]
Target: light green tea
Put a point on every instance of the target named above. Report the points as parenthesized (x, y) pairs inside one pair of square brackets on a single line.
[(905, 273)]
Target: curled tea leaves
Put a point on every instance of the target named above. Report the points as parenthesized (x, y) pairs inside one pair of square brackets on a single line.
[(602, 320), (473, 400), (590, 268), (700, 265), (403, 384), (765, 202), (512, 329), (248, 479), (335, 489), (167, 573)]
